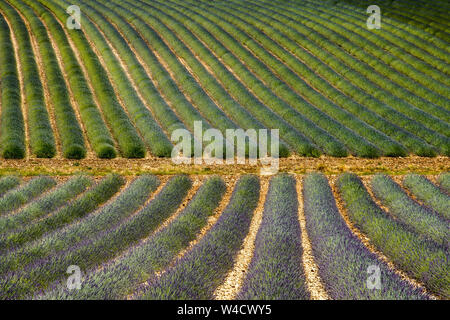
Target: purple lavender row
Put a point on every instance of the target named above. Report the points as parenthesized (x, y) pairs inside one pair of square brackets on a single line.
[(200, 271), (420, 258), (45, 204), (417, 218), (102, 219), (104, 246), (276, 271), (342, 258), (8, 183)]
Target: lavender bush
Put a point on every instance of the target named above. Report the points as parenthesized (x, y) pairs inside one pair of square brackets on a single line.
[(198, 273), (276, 271), (444, 181), (341, 257), (422, 259), (8, 183)]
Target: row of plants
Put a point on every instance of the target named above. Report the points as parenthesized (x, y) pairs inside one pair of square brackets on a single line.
[(380, 61), (276, 271), (444, 181), (433, 197), (129, 141), (342, 258), (423, 59), (74, 210), (419, 37), (42, 206), (96, 130), (230, 93), (317, 41), (398, 122), (18, 197), (118, 278), (113, 212), (421, 259), (207, 108), (200, 271), (356, 143), (158, 143), (12, 130), (8, 183), (419, 219), (69, 130), (42, 140), (404, 62), (94, 250)]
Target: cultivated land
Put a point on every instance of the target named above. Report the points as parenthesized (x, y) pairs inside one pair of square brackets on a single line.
[(87, 179)]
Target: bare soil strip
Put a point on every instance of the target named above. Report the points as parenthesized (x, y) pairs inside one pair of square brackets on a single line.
[(89, 151), (313, 281), (48, 100), (231, 182), (235, 278), (23, 104), (366, 241)]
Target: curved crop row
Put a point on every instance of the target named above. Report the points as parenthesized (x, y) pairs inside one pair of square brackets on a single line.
[(384, 67), (151, 132), (231, 94), (12, 130), (342, 259), (112, 213), (373, 43), (424, 260), (8, 183), (94, 250), (119, 278), (45, 204), (96, 129), (16, 198), (74, 210), (357, 144), (207, 107), (42, 140), (419, 219), (200, 271), (276, 270), (72, 141), (402, 122), (428, 193), (444, 181), (130, 143), (258, 89)]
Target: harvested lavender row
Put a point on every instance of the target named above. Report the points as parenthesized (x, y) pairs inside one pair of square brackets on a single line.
[(422, 259), (419, 219), (444, 181), (200, 271), (276, 270), (8, 183), (78, 208), (126, 203), (18, 197), (428, 193), (98, 249), (342, 258), (45, 204), (119, 278)]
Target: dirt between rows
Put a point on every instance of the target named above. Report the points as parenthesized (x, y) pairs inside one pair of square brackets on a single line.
[(162, 166)]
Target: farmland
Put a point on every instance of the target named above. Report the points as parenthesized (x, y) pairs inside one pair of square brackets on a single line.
[(102, 198), (182, 237), (135, 72)]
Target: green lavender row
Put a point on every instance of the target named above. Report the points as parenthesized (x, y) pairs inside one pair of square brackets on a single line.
[(42, 140), (96, 129), (72, 141), (8, 183), (12, 130)]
